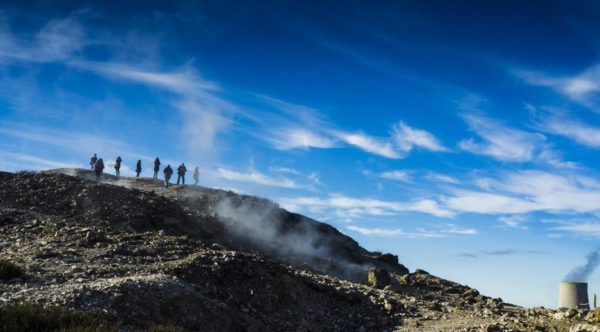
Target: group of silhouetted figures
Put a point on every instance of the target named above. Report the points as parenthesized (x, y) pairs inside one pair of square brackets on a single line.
[(97, 165)]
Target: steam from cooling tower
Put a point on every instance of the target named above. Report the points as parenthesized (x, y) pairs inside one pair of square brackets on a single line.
[(582, 273)]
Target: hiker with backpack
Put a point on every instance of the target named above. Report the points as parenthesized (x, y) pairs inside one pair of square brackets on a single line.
[(156, 167), (138, 168), (93, 161), (168, 171), (181, 173), (98, 168), (118, 166)]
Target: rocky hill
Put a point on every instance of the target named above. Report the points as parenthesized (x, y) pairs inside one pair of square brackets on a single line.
[(198, 259)]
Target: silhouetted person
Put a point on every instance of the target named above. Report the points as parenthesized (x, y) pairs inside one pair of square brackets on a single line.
[(138, 168), (118, 166), (156, 167), (196, 175), (168, 171), (98, 168), (181, 173), (93, 161)]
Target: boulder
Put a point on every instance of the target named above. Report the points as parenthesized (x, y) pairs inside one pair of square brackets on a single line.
[(593, 316), (392, 261), (378, 278), (388, 258), (470, 293), (565, 314), (584, 328)]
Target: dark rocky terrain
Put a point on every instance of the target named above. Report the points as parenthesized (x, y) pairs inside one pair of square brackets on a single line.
[(199, 259)]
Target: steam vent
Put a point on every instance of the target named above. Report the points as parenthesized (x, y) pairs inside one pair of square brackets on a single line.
[(573, 295)]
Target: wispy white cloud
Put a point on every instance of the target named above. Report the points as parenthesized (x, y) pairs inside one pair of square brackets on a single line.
[(408, 138), (499, 141), (419, 233), (185, 81), (588, 228), (288, 126), (508, 144), (555, 192), (510, 196), (453, 229), (402, 141), (378, 146), (255, 177), (529, 191), (392, 232), (285, 170), (578, 87), (293, 138), (352, 207), (437, 177), (555, 159), (571, 128), (409, 176), (295, 113), (34, 162), (397, 175), (202, 123), (513, 221), (302, 127), (84, 143), (314, 178), (488, 203), (204, 113), (58, 40)]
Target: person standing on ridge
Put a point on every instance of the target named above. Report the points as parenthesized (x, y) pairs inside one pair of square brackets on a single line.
[(118, 166), (93, 161), (196, 175), (138, 168), (156, 167), (181, 173), (168, 171), (98, 168)]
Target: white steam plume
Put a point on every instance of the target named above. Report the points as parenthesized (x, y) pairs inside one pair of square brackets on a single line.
[(582, 273)]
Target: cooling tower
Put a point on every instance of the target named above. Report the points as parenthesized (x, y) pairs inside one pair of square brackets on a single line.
[(573, 295)]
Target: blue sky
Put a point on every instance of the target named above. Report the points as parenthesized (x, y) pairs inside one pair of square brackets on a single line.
[(463, 137)]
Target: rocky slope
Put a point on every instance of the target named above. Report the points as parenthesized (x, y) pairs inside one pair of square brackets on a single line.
[(200, 259)]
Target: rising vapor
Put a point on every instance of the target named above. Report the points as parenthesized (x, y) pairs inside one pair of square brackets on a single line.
[(582, 273)]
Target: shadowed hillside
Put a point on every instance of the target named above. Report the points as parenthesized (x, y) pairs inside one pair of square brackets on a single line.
[(131, 251)]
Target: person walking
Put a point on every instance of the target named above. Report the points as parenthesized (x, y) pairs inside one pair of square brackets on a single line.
[(168, 171), (93, 161), (118, 166), (196, 175), (98, 168), (138, 168), (156, 167), (181, 173)]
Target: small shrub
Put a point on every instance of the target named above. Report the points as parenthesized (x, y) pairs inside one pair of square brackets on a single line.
[(9, 270), (34, 317), (162, 328)]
